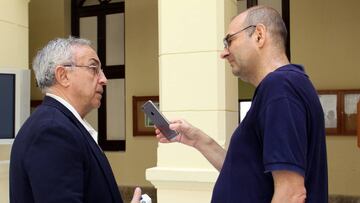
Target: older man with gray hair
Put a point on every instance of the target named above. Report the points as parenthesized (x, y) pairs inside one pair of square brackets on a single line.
[(55, 156)]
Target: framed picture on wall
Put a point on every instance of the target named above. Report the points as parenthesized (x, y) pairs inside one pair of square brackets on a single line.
[(340, 111), (351, 98), (142, 125), (330, 103)]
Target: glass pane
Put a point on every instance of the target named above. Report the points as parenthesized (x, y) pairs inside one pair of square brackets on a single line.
[(91, 2), (88, 30), (115, 39), (241, 6), (115, 100), (96, 2), (329, 105), (276, 4), (92, 118)]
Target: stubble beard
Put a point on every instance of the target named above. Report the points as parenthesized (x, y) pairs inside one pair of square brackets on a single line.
[(239, 72)]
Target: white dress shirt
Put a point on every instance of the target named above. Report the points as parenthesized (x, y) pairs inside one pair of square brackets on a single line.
[(88, 127)]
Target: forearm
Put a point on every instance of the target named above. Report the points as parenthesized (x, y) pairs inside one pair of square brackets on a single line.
[(289, 187), (212, 151)]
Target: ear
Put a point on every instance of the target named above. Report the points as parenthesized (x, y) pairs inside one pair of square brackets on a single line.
[(61, 76), (260, 34)]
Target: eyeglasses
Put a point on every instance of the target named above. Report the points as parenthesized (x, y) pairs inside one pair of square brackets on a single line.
[(95, 68), (227, 39)]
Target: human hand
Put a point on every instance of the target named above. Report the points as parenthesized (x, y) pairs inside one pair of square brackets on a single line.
[(188, 134), (137, 195), (194, 137)]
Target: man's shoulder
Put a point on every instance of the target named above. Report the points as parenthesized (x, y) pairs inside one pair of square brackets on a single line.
[(285, 78), (288, 71), (45, 118), (47, 114)]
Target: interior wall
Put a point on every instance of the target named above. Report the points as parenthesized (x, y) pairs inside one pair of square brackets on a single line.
[(47, 20), (324, 39), (14, 34)]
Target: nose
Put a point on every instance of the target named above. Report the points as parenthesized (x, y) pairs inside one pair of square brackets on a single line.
[(102, 78), (225, 53)]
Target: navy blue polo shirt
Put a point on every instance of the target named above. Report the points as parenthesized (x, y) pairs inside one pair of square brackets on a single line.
[(283, 130)]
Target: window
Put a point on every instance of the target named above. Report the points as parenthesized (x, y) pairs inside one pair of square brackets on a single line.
[(102, 22)]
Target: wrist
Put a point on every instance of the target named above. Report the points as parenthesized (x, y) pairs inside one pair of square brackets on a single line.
[(202, 141)]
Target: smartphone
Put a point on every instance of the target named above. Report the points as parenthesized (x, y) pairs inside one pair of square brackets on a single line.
[(159, 120)]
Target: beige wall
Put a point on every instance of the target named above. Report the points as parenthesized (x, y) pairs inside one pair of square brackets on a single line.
[(14, 34), (47, 20), (324, 37)]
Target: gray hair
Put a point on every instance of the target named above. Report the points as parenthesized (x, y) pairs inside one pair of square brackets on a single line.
[(57, 52), (271, 19)]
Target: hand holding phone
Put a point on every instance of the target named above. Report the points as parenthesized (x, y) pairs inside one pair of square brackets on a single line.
[(159, 120)]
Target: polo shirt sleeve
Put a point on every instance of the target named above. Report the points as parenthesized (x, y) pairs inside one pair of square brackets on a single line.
[(284, 136)]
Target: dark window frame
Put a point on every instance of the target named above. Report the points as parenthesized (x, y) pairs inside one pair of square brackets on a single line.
[(111, 71)]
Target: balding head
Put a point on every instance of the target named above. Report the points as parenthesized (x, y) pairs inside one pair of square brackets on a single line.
[(255, 44), (271, 19)]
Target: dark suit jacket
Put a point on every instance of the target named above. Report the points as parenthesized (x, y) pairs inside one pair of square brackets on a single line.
[(54, 159)]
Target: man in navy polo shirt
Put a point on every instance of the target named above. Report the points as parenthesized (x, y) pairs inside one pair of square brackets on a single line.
[(278, 152)]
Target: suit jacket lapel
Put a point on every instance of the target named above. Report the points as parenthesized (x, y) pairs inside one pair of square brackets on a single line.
[(97, 152)]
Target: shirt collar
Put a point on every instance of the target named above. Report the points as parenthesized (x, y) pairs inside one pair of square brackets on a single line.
[(87, 126)]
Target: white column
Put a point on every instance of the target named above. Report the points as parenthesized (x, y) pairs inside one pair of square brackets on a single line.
[(14, 51), (195, 84)]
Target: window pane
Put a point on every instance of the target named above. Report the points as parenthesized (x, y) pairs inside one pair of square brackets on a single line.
[(276, 4), (329, 105), (241, 6), (88, 30), (115, 100), (92, 119), (115, 39), (96, 2), (91, 2)]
